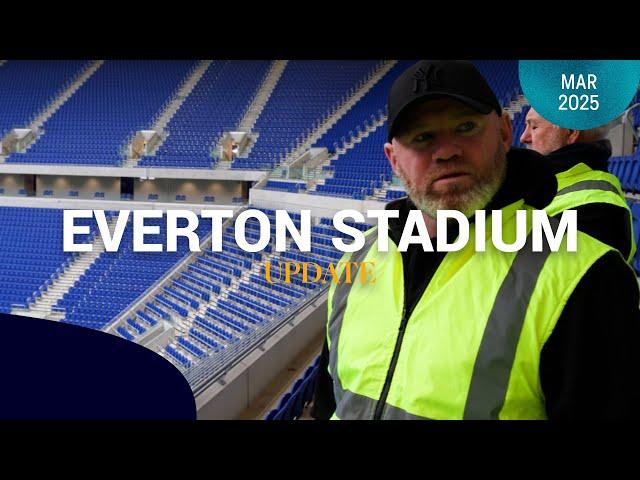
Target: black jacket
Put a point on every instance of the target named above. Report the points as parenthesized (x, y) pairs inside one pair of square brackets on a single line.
[(590, 365), (608, 223)]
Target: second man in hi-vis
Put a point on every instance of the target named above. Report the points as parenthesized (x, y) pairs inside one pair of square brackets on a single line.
[(579, 158)]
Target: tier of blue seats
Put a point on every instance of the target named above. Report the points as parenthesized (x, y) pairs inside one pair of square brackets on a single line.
[(292, 403), (358, 179), (501, 75), (635, 213), (627, 169), (233, 317), (28, 87), (31, 254), (360, 170), (367, 111), (94, 126), (307, 93), (98, 121), (393, 194), (116, 279), (109, 286), (177, 356), (503, 78), (207, 275), (255, 302), (217, 104), (291, 187)]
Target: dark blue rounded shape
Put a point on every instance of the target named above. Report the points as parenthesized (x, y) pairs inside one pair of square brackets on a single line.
[(54, 370)]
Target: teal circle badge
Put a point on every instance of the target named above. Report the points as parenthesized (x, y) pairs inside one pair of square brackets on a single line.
[(579, 94)]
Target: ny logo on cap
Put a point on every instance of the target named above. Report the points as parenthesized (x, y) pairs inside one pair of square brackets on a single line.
[(426, 80)]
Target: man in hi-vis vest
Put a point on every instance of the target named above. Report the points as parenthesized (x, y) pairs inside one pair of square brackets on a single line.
[(476, 334), (580, 160)]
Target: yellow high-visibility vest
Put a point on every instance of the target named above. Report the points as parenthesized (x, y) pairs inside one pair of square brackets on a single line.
[(470, 348)]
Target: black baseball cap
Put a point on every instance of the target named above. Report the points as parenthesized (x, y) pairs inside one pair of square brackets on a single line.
[(430, 79)]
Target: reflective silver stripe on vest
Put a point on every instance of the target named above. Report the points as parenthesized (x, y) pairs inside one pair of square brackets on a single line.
[(605, 186), (589, 185), (358, 407), (395, 413), (353, 406), (492, 369), (348, 404)]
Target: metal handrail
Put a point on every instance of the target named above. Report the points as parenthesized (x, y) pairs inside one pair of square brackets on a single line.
[(210, 370)]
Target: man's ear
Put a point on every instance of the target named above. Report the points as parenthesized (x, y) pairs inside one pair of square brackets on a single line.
[(506, 131), (391, 156), (573, 136)]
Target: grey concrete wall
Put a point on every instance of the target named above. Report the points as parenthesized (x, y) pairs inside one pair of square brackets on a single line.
[(86, 186), (228, 398), (621, 138), (11, 184), (87, 171), (194, 190)]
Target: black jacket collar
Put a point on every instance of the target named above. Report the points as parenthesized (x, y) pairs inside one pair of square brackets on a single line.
[(595, 155), (528, 177)]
